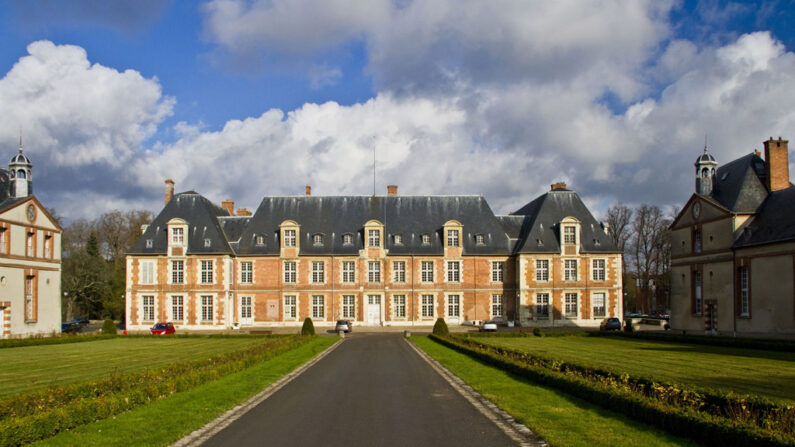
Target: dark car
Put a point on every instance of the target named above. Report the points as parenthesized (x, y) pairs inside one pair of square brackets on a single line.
[(343, 325), (70, 327), (80, 321), (610, 324), (163, 329)]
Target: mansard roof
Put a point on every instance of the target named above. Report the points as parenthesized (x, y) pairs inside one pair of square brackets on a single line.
[(203, 223), (740, 184), (540, 231), (775, 221)]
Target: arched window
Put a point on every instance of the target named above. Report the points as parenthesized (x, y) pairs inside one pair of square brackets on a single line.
[(21, 173)]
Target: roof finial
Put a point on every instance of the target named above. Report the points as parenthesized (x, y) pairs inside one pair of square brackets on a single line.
[(20, 139), (705, 143)]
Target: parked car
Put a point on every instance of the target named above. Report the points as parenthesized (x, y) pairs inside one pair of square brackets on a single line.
[(661, 314), (343, 325), (634, 314), (489, 326), (81, 321), (610, 324), (163, 329), (70, 327)]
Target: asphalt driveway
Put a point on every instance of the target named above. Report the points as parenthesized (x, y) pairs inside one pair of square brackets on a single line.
[(373, 390)]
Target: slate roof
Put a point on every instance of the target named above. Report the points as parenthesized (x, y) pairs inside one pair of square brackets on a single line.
[(332, 217), (774, 223), (540, 231), (740, 184)]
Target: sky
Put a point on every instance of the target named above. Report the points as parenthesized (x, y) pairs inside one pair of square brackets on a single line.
[(241, 99)]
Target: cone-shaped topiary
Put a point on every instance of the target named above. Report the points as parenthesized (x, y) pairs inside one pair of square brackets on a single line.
[(108, 327), (308, 328), (440, 327)]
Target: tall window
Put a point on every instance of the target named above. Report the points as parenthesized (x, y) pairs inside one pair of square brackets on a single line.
[(497, 306), (399, 304), (570, 269), (207, 308), (246, 272), (697, 291), (207, 272), (245, 307), (47, 246), (569, 235), (571, 305), (598, 305), (289, 272), (177, 306), (348, 306), (542, 305), (373, 238), (178, 236), (348, 271), (598, 268), (744, 307), (318, 307), (542, 270), (148, 308), (318, 272), (147, 272), (452, 238), (2, 240), (427, 306), (30, 311), (373, 271), (289, 307), (289, 238), (177, 272), (29, 245), (453, 306), (697, 241), (399, 271), (453, 271), (497, 271), (427, 271)]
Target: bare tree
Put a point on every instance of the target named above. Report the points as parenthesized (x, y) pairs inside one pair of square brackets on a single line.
[(650, 253)]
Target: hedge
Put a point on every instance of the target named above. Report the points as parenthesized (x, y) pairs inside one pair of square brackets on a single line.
[(766, 344), (682, 421), (50, 340), (37, 415)]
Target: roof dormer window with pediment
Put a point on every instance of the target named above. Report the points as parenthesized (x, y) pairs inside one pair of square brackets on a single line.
[(177, 237), (452, 238), (290, 238), (570, 236), (373, 238)]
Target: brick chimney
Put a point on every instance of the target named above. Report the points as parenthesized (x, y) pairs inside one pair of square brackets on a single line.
[(169, 190), (243, 212), (308, 190), (777, 164), (391, 190), (229, 206), (558, 185)]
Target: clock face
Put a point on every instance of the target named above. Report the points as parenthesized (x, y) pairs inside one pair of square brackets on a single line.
[(31, 213), (696, 210)]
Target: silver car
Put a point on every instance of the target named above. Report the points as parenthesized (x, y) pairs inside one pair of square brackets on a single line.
[(489, 326), (343, 325)]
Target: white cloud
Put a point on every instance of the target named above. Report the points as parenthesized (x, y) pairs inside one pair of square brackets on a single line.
[(322, 75)]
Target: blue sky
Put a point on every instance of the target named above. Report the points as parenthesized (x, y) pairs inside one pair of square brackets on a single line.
[(241, 99)]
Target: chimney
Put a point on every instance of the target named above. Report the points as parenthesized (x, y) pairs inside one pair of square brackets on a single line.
[(243, 212), (391, 190), (229, 206), (777, 164), (308, 190), (558, 185), (169, 190)]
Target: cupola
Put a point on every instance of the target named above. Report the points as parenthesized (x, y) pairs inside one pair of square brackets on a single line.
[(19, 170), (706, 166)]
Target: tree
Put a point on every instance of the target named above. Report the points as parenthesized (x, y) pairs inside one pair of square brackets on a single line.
[(650, 254), (85, 281), (619, 219)]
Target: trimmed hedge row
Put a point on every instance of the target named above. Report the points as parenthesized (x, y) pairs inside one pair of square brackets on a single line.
[(55, 340), (766, 344), (761, 412), (681, 421), (30, 417)]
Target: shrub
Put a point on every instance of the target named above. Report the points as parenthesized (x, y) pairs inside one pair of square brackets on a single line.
[(538, 332), (628, 326), (440, 327), (108, 327), (308, 328)]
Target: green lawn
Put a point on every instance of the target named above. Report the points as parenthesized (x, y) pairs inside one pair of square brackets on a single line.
[(745, 371), (34, 367), (165, 421), (558, 418)]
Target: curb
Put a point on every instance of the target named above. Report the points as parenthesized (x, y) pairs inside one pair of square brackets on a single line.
[(519, 433), (199, 436)]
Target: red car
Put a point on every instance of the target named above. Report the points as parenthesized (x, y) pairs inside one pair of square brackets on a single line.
[(163, 329)]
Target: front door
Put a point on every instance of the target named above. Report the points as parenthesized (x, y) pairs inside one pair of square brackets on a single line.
[(245, 311), (373, 310)]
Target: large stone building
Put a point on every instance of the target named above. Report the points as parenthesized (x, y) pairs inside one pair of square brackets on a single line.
[(733, 247), (378, 260), (30, 256)]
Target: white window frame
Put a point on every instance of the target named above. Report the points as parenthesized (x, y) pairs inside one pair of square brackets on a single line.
[(318, 275), (207, 308), (373, 237), (427, 271), (427, 302), (247, 272), (542, 308), (317, 239), (147, 273), (289, 238), (349, 306), (480, 239), (347, 239), (178, 236), (290, 307), (178, 274), (399, 271), (570, 269), (571, 309), (399, 306), (289, 269), (147, 308), (453, 306), (207, 268), (246, 308), (177, 308), (569, 235), (497, 305), (497, 271), (542, 270), (373, 271), (599, 272), (426, 239), (397, 239), (745, 308), (453, 237), (453, 271), (595, 308), (318, 307), (348, 272)]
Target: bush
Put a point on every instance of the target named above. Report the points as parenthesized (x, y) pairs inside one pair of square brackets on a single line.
[(628, 326), (108, 327), (308, 328), (440, 327), (538, 332)]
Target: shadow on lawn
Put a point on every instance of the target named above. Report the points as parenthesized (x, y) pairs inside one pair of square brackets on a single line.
[(725, 351)]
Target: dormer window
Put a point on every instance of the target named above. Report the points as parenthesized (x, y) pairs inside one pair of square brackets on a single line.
[(317, 239), (260, 240), (452, 238), (570, 235), (289, 238), (426, 239), (149, 243), (479, 239), (373, 238), (208, 243), (347, 239), (398, 239), (178, 236)]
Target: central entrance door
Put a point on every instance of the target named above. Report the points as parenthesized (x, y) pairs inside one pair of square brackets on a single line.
[(373, 310)]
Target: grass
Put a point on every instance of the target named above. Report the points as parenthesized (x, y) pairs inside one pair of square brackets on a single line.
[(35, 367), (767, 374), (558, 418), (165, 421)]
